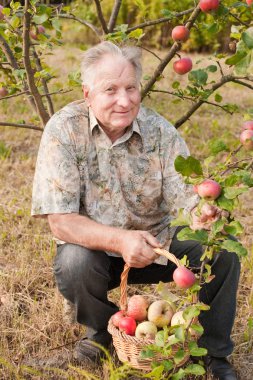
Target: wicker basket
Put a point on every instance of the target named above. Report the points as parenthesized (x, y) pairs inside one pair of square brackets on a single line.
[(128, 347)]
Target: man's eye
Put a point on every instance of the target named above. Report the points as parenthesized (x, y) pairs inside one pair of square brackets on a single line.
[(131, 87), (109, 89)]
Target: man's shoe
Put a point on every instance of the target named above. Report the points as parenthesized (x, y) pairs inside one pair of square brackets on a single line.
[(87, 351), (220, 368)]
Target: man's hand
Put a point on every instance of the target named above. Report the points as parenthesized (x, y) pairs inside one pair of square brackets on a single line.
[(137, 248), (204, 217)]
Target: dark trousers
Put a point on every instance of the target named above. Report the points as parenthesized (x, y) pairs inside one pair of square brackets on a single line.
[(84, 277)]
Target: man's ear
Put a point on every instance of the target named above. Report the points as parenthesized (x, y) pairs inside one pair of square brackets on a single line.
[(86, 93)]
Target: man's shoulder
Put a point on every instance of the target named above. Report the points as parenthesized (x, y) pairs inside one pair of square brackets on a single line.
[(152, 122)]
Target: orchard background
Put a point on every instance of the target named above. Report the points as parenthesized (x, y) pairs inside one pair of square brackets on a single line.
[(40, 50)]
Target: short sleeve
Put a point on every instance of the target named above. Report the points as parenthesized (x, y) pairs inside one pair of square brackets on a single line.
[(56, 185), (176, 193)]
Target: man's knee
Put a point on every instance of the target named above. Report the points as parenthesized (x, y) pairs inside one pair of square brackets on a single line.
[(73, 262)]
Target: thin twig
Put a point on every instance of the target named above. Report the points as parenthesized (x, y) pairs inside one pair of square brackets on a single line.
[(240, 21), (57, 92), (27, 126), (44, 117), (114, 15), (101, 16), (243, 83), (151, 52), (175, 47), (15, 95), (160, 20), (81, 21)]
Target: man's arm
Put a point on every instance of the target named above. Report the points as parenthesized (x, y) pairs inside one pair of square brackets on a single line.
[(136, 247)]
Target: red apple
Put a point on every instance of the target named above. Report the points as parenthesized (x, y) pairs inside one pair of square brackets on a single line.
[(137, 308), (180, 33), (249, 2), (3, 92), (117, 317), (183, 277), (160, 313), (208, 5), (146, 330), (248, 124), (38, 30), (209, 189), (182, 66), (128, 325), (1, 13), (246, 138)]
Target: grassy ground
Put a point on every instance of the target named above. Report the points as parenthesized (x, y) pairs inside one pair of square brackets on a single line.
[(34, 331)]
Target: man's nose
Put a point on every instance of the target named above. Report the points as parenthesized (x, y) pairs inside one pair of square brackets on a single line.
[(123, 99)]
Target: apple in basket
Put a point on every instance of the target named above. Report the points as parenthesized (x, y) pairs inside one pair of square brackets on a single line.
[(137, 308), (160, 313), (117, 317), (146, 330), (127, 325)]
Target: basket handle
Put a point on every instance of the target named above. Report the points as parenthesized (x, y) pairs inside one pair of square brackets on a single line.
[(124, 276)]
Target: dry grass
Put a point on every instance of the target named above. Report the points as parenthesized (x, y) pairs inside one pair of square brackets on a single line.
[(33, 329)]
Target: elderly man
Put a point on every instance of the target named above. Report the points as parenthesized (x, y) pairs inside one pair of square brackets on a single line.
[(106, 181)]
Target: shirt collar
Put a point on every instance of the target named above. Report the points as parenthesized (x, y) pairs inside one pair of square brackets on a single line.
[(93, 123)]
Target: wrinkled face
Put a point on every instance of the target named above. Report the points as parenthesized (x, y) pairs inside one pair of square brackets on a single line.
[(115, 96)]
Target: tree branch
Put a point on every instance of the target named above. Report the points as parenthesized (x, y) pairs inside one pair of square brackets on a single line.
[(243, 83), (27, 126), (101, 16), (175, 47), (160, 20), (44, 82), (14, 64), (83, 22), (114, 15), (240, 21), (14, 95), (44, 117), (225, 79)]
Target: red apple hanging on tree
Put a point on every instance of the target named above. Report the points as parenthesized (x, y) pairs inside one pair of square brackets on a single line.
[(209, 189), (249, 2), (208, 5), (246, 138), (1, 13), (180, 33), (183, 277), (248, 124), (3, 92), (182, 66)]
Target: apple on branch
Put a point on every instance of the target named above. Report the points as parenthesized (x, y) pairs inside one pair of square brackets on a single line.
[(182, 66), (137, 308), (248, 124), (183, 277), (1, 13), (38, 30), (3, 92), (160, 313), (180, 33), (249, 2), (209, 5), (146, 329), (209, 189), (246, 138)]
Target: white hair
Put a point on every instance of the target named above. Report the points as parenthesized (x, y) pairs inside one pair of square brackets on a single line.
[(93, 56)]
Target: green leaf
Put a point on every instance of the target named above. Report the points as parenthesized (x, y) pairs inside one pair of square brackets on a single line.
[(56, 24), (216, 146), (211, 68), (168, 365), (180, 333), (175, 85), (137, 34), (217, 226), (147, 353), (188, 166), (198, 77), (237, 57), (187, 234), (231, 180), (195, 350), (233, 192), (6, 11), (218, 98), (39, 19), (181, 220), (15, 22), (178, 375), (247, 39), (195, 369), (197, 328), (179, 356), (225, 203), (241, 68), (213, 28), (234, 246), (234, 228), (159, 339)]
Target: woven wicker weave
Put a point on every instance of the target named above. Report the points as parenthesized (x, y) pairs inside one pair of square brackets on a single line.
[(128, 347)]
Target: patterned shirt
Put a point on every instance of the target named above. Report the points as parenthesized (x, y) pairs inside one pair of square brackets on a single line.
[(130, 184)]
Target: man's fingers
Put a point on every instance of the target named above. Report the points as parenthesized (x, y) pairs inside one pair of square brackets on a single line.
[(151, 240)]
